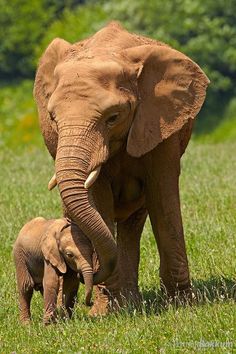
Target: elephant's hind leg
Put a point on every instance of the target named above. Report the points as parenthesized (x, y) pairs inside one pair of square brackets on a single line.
[(26, 288), (25, 299)]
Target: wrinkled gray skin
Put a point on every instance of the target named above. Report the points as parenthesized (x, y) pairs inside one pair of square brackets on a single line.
[(49, 255)]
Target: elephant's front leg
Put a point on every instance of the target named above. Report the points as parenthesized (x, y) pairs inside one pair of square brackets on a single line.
[(128, 242), (107, 295), (121, 287), (51, 283), (163, 202)]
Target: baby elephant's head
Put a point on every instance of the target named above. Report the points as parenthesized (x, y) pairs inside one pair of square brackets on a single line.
[(64, 244)]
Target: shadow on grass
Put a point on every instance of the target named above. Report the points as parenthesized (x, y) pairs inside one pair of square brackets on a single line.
[(212, 290)]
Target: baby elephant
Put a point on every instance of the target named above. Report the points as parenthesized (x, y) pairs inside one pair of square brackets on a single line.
[(45, 252)]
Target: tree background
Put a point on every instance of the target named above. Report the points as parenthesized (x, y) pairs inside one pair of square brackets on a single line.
[(205, 30)]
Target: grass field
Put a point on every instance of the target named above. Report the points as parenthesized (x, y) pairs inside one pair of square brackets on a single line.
[(208, 192)]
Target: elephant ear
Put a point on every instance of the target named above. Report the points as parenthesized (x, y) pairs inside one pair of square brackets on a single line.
[(44, 86), (50, 247), (171, 89)]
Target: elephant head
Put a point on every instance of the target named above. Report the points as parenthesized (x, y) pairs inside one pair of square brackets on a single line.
[(65, 245), (107, 94)]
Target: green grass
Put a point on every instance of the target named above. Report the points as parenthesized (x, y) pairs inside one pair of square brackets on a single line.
[(208, 192)]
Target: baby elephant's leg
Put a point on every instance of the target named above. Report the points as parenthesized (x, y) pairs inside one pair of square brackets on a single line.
[(60, 293), (50, 292), (25, 294), (25, 287), (25, 299)]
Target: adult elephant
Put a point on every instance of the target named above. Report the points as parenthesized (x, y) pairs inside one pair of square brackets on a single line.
[(121, 105)]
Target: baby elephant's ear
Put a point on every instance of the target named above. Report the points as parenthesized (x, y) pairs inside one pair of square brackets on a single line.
[(50, 245)]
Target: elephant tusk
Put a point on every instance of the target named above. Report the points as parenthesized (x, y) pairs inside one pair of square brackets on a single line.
[(92, 177), (52, 183)]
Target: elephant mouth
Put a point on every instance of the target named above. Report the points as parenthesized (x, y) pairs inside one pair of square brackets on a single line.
[(87, 184), (52, 183), (92, 177)]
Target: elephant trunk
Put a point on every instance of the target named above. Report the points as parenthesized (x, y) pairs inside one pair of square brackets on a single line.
[(74, 163), (87, 272)]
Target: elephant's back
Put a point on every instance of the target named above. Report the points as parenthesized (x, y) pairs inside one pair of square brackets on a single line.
[(116, 37), (31, 233)]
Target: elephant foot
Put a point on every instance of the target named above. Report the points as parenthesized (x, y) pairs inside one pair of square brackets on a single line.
[(131, 297), (50, 318), (179, 295), (100, 308), (25, 317), (25, 321), (63, 313), (105, 302), (49, 321)]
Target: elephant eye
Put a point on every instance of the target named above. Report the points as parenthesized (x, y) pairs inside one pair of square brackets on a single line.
[(52, 116), (69, 255), (112, 119)]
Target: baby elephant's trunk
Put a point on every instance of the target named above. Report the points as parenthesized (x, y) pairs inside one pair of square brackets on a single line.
[(87, 273)]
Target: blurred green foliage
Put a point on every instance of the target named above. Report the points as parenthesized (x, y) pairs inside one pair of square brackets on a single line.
[(23, 24), (226, 129), (75, 25), (19, 122), (203, 29)]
